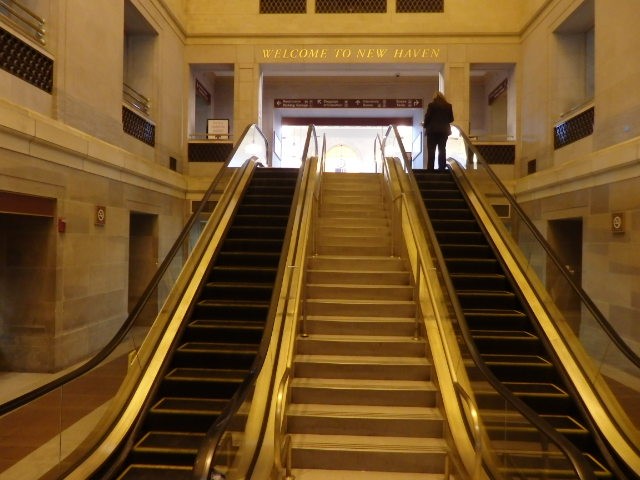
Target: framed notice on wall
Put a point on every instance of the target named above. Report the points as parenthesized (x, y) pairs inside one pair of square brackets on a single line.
[(217, 127)]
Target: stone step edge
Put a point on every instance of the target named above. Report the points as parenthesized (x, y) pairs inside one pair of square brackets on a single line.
[(363, 360), (363, 319), (422, 445), (376, 412), (364, 384), (320, 474)]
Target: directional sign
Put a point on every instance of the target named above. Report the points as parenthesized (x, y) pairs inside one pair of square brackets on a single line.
[(347, 103)]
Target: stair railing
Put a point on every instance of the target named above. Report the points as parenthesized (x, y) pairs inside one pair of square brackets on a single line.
[(282, 440), (24, 20), (295, 319), (441, 303), (465, 460)]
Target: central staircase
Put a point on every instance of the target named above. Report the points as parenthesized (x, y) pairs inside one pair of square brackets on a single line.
[(363, 404)]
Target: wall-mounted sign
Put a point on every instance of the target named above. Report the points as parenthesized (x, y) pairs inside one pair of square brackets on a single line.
[(101, 215), (617, 222), (217, 127), (347, 103), (362, 54)]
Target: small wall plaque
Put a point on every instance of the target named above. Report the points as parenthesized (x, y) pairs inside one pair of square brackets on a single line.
[(617, 222), (101, 215)]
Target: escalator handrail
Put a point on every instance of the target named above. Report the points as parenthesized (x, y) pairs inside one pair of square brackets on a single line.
[(215, 434), (616, 339), (578, 461), (131, 319)]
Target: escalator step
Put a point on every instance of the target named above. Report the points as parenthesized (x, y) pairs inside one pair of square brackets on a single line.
[(181, 414), (156, 472), (456, 203), (237, 291), (243, 273), (496, 319), (233, 331), (261, 259), (241, 310), (260, 220), (462, 238), (256, 244), (514, 368), (173, 448), (473, 266), (249, 231), (490, 281), (488, 299), (194, 405), (453, 225), (466, 250), (515, 360), (204, 382), (207, 347), (547, 398)]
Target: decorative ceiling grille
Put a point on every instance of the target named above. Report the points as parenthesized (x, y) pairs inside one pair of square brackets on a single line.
[(419, 6), (351, 6), (283, 6)]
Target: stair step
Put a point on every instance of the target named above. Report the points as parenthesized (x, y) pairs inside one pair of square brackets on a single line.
[(379, 221), (363, 391), (360, 345), (359, 292), (339, 325), (369, 229), (369, 420), (362, 367), (359, 308), (352, 208), (391, 454), (382, 277), (356, 263), (350, 249), (353, 239)]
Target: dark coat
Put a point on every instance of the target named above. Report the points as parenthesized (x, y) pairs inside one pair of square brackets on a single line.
[(438, 117)]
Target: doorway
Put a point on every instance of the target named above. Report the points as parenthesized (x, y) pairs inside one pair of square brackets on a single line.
[(565, 237), (143, 260)]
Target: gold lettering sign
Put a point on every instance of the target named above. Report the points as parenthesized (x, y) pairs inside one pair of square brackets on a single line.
[(350, 53)]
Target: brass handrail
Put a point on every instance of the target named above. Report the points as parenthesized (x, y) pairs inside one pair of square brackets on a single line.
[(135, 99), (31, 24)]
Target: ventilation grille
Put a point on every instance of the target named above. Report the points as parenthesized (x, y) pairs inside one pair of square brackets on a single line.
[(574, 129), (25, 62), (209, 152), (419, 6), (351, 6), (283, 6), (497, 154), (138, 127)]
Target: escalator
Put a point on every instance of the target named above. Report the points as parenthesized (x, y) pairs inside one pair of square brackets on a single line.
[(502, 327), (219, 339)]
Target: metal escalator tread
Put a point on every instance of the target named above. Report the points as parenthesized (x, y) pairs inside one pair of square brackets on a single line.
[(221, 336), (156, 472), (529, 374)]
